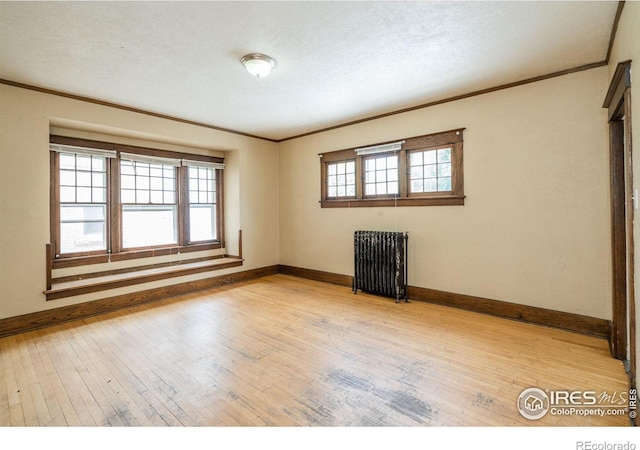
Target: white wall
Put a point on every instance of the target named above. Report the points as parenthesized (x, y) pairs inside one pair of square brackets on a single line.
[(535, 227), (251, 188)]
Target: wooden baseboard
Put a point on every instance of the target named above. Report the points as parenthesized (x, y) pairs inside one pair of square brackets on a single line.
[(531, 314), (316, 275), (42, 319)]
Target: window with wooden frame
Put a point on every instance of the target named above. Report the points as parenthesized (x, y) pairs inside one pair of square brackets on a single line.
[(116, 202), (418, 171)]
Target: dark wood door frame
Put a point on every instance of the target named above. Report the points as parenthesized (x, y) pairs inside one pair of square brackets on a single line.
[(618, 104)]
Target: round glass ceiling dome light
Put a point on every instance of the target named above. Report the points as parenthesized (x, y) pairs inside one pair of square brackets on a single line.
[(257, 64)]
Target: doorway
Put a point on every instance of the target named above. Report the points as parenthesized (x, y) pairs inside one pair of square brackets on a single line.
[(623, 204)]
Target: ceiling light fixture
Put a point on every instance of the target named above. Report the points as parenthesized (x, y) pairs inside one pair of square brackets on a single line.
[(257, 64)]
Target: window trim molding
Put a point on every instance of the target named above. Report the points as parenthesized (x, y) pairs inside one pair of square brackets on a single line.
[(456, 196), (114, 250)]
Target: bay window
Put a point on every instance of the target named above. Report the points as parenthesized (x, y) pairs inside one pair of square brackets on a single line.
[(111, 201)]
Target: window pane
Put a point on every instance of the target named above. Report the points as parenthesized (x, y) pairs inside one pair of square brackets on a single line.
[(155, 184), (136, 231), (202, 223), (370, 177), (83, 194), (156, 197), (82, 228), (416, 158), (351, 167), (67, 178), (444, 170), (67, 194), (99, 179), (430, 157), (99, 194), (142, 196), (81, 213), (67, 161), (431, 171), (126, 168), (83, 178), (341, 179), (381, 176), (98, 164), (128, 196), (417, 186), (142, 169), (431, 185), (444, 155), (444, 184), (370, 164), (416, 172), (83, 162), (142, 182), (156, 170), (127, 182), (151, 184)]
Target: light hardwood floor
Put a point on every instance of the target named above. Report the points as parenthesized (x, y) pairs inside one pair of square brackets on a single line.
[(283, 351)]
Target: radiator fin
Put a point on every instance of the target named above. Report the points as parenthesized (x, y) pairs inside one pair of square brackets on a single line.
[(380, 263)]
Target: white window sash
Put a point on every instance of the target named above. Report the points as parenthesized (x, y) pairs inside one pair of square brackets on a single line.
[(60, 148), (150, 159), (210, 165), (383, 148)]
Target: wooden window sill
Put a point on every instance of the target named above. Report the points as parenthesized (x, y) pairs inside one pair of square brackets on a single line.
[(76, 261), (63, 287)]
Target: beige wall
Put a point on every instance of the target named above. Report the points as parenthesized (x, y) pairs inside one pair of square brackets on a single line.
[(535, 226), (251, 188), (534, 229), (627, 47)]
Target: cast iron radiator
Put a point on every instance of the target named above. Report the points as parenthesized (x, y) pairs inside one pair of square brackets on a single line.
[(380, 259)]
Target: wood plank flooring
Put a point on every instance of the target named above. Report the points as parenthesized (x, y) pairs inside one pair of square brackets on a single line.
[(284, 351)]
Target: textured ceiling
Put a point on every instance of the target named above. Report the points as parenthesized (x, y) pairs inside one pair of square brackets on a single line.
[(337, 61)]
